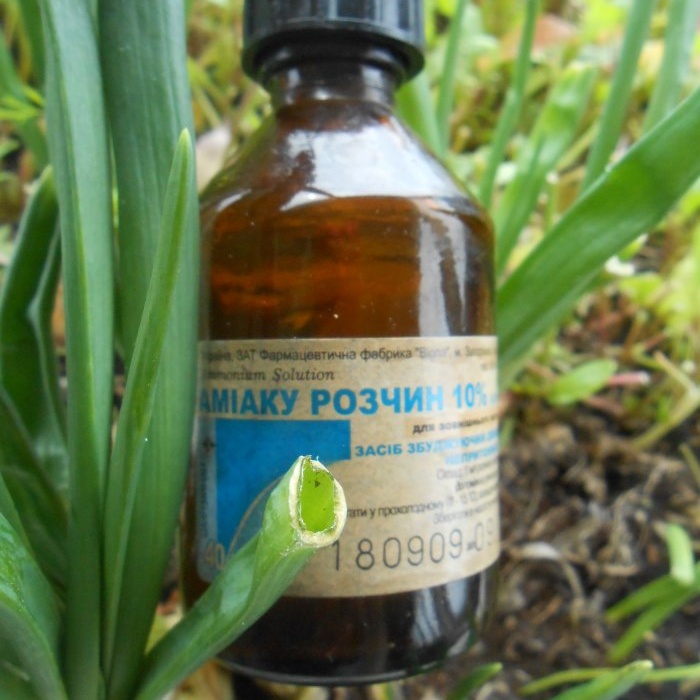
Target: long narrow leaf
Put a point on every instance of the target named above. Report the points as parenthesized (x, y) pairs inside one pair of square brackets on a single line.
[(446, 92), (614, 112), (144, 61), (560, 678), (415, 105), (80, 156), (9, 510), (680, 552), (11, 87), (29, 619), (581, 382), (28, 368), (551, 136), (38, 504), (474, 680), (515, 97), (678, 46), (31, 19), (660, 589), (648, 620), (139, 400), (612, 685), (675, 673), (255, 577), (15, 685), (624, 203), (608, 684)]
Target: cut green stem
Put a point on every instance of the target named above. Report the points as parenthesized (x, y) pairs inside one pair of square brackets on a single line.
[(305, 511)]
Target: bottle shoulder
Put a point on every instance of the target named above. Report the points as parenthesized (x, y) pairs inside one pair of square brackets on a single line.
[(336, 148)]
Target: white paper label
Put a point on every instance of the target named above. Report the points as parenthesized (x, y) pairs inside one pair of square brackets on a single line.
[(407, 425)]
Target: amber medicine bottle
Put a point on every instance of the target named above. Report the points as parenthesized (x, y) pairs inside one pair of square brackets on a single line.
[(347, 314)]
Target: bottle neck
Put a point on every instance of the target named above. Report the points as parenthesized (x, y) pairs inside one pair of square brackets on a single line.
[(308, 74)]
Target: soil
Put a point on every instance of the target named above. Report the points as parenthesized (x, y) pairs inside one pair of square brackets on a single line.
[(584, 513), (584, 516)]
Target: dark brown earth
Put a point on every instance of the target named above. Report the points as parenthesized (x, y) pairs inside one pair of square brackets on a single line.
[(584, 516)]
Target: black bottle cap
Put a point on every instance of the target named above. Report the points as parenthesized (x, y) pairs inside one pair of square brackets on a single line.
[(396, 25)]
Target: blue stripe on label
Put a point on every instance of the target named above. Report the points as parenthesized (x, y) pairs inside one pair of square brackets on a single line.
[(252, 455)]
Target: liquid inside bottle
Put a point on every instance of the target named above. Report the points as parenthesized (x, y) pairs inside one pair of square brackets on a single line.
[(347, 314)]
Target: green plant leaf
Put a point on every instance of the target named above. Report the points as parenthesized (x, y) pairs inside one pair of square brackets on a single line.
[(660, 589), (149, 104), (607, 684), (139, 399), (567, 677), (29, 619), (515, 98), (37, 503), (654, 602), (647, 621), (414, 103), (614, 112), (552, 134), (28, 367), (622, 204), (33, 455), (680, 551), (581, 382), (446, 91), (9, 510), (78, 146), (675, 673), (12, 88), (474, 680), (254, 578), (31, 20), (663, 588), (14, 684), (678, 48)]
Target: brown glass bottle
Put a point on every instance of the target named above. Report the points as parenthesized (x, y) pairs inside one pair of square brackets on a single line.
[(334, 222)]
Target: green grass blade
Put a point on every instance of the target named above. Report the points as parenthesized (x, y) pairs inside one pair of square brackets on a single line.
[(581, 382), (78, 145), (660, 589), (13, 685), (624, 203), (11, 87), (254, 578), (28, 368), (9, 510), (139, 399), (675, 673), (38, 504), (414, 104), (608, 677), (678, 46), (515, 98), (29, 619), (681, 555), (559, 678), (31, 20), (647, 622), (478, 677), (614, 112), (613, 684), (147, 95), (148, 101), (446, 88), (551, 136)]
